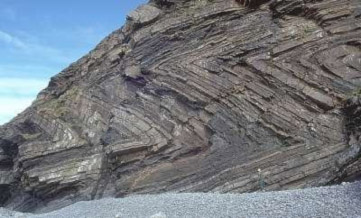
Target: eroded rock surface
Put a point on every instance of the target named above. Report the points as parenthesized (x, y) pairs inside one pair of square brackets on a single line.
[(195, 96)]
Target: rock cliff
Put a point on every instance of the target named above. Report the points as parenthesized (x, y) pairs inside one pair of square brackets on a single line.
[(195, 96)]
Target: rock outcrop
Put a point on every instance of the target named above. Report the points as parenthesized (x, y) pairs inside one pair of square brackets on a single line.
[(195, 96)]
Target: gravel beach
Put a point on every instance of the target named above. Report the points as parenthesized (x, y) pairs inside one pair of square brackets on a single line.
[(335, 201)]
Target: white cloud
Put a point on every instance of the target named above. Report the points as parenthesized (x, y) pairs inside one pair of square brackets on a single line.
[(22, 83), (11, 40), (33, 49), (16, 94), (20, 70), (10, 107), (21, 86), (5, 119)]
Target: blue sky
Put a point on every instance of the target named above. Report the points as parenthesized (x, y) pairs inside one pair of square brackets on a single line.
[(39, 38)]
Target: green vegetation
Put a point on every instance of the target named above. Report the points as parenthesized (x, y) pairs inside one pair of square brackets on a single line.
[(57, 107), (30, 136), (356, 92)]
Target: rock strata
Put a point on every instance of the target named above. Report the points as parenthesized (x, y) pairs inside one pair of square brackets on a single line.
[(195, 96)]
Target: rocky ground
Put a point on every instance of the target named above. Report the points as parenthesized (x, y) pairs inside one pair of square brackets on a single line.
[(336, 201)]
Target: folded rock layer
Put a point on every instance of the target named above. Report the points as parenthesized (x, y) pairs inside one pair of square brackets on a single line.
[(195, 96)]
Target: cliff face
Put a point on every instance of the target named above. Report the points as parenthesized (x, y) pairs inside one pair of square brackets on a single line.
[(195, 96)]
